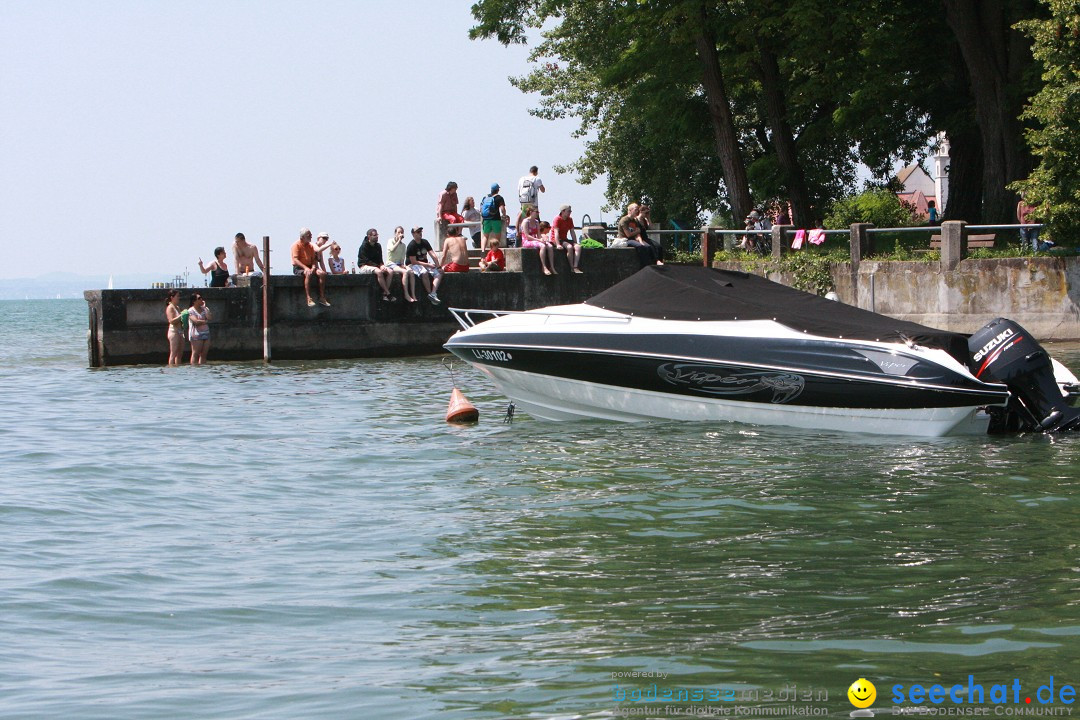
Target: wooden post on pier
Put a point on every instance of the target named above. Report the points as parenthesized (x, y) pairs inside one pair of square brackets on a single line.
[(266, 299)]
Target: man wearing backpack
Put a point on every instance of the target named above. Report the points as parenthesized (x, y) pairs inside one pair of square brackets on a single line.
[(493, 214), (529, 189)]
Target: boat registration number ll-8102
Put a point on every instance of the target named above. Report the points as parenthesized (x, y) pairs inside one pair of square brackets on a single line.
[(492, 355)]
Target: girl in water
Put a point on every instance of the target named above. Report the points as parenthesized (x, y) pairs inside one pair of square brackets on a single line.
[(176, 332), (198, 329)]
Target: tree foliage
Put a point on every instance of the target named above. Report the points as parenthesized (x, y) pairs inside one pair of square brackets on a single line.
[(712, 107), (1054, 186), (880, 207)]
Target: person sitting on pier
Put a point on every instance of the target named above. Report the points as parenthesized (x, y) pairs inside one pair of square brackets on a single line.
[(423, 267), (644, 220), (455, 255), (629, 236), (494, 261), (534, 237), (335, 261), (369, 260), (219, 271), (304, 263), (247, 257), (623, 227), (446, 209), (397, 262), (562, 232), (321, 244)]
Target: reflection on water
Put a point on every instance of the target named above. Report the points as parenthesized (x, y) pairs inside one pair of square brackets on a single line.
[(309, 539)]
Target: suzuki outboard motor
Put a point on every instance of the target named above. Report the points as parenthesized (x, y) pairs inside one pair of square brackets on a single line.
[(1005, 352)]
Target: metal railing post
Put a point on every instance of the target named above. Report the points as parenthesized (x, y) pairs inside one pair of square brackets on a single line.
[(266, 298)]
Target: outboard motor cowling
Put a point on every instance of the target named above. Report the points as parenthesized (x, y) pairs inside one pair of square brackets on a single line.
[(1004, 352)]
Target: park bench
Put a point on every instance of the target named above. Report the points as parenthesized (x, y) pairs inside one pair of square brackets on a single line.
[(973, 241)]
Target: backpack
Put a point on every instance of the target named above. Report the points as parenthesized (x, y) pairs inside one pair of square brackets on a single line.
[(526, 190), (184, 321), (488, 211)]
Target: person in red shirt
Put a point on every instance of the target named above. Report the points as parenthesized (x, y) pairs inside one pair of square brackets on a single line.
[(562, 232), (494, 260), (446, 209)]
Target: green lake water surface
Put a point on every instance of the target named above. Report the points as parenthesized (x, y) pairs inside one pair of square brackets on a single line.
[(311, 540)]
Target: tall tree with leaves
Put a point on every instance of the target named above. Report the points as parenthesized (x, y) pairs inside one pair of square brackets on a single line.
[(999, 64), (643, 78), (1054, 186)]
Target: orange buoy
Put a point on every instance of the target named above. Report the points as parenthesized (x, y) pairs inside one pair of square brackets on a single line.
[(461, 410)]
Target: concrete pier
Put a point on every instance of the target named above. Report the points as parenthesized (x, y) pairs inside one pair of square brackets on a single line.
[(127, 327), (1041, 293)]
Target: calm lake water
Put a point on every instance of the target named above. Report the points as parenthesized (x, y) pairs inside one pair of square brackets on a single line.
[(311, 540)]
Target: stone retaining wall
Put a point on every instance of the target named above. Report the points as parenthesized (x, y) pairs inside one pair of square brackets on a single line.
[(1040, 293)]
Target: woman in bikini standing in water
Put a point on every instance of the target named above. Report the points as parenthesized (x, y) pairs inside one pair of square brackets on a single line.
[(176, 332)]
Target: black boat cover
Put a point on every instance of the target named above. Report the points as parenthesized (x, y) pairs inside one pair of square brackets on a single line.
[(672, 292)]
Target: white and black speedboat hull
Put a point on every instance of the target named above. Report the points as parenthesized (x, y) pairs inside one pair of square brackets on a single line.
[(592, 361)]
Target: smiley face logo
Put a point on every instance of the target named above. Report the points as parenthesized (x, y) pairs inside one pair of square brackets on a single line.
[(862, 693)]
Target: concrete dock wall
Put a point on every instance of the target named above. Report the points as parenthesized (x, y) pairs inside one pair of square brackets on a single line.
[(1040, 293), (128, 327)]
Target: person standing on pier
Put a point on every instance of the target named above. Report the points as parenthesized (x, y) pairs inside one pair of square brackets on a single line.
[(247, 257), (304, 263), (369, 260), (421, 259), (493, 212), (471, 215), (529, 188)]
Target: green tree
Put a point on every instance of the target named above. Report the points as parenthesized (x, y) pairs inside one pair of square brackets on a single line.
[(1054, 185), (880, 207)]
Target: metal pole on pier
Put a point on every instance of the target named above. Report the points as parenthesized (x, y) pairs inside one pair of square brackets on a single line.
[(266, 299)]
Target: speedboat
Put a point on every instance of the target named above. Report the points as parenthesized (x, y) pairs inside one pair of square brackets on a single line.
[(700, 344)]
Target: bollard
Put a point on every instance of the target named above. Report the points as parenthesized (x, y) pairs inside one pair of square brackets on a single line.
[(953, 243)]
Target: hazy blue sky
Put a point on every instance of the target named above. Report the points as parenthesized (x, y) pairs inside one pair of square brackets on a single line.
[(137, 136)]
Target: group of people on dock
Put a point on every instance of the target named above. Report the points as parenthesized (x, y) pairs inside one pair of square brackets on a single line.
[(416, 262), (489, 224)]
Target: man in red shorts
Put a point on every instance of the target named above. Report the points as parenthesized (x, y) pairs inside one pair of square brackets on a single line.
[(455, 256)]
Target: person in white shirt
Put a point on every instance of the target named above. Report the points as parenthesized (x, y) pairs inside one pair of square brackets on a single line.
[(529, 188)]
